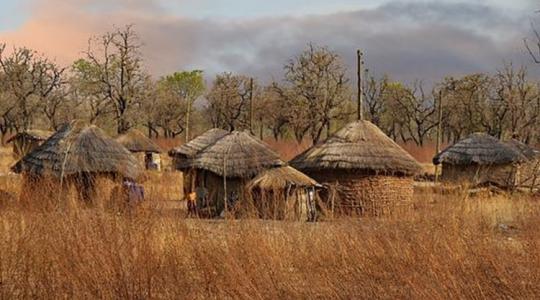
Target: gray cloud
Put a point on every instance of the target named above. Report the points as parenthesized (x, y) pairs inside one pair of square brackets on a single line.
[(407, 40)]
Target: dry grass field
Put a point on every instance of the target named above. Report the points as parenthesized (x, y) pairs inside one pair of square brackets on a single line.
[(447, 246)]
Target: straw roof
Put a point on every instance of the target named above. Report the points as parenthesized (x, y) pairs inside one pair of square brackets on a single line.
[(136, 141), (204, 140), (524, 149), (33, 134), (237, 154), (479, 148), (281, 178), (358, 146), (76, 149)]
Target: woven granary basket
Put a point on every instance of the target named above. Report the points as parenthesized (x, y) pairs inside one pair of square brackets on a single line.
[(367, 195)]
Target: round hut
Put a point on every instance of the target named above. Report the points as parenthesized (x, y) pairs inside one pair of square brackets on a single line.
[(224, 168), (77, 156), (136, 142), (26, 141), (284, 193), (481, 159), (365, 171), (183, 155)]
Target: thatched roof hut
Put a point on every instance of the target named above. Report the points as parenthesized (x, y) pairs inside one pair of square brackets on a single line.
[(188, 150), (135, 141), (369, 171), (238, 154), (358, 146), (76, 149), (479, 149), (224, 167), (280, 179), (284, 193), (482, 159), (526, 150), (26, 141)]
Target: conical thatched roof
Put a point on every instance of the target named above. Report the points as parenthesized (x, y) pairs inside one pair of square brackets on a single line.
[(281, 178), (479, 148), (34, 134), (524, 149), (358, 146), (237, 154), (136, 141), (204, 140), (76, 149)]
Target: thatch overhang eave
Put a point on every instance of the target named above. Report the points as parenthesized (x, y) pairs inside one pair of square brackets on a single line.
[(360, 171)]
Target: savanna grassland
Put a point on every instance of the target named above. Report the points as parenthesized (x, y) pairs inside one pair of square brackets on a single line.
[(447, 246)]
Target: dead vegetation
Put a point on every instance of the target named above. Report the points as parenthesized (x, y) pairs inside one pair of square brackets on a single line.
[(448, 246)]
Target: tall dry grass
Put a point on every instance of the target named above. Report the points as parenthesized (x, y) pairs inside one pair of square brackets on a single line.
[(447, 247)]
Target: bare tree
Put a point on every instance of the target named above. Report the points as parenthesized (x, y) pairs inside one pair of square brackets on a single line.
[(374, 90), (229, 101), (33, 81), (517, 101), (87, 92), (317, 89), (272, 111), (418, 111), (533, 47), (115, 69)]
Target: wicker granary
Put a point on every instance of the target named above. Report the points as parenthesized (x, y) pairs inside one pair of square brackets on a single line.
[(78, 155), (365, 171), (481, 159), (284, 193), (26, 141), (142, 147), (224, 168)]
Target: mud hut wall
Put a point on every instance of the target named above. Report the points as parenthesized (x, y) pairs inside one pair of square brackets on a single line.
[(358, 193), (215, 189), (500, 175)]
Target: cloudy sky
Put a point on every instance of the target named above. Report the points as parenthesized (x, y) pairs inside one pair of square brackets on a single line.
[(406, 39)]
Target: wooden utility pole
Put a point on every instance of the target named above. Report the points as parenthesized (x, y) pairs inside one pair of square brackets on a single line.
[(360, 108), (439, 128), (188, 115), (251, 105)]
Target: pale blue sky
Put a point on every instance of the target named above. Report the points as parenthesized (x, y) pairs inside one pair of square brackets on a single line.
[(11, 14)]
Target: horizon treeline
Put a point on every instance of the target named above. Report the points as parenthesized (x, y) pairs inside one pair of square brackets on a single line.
[(110, 87)]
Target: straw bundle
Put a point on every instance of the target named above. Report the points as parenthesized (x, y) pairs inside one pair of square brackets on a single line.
[(358, 146), (237, 154), (135, 141), (74, 150)]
